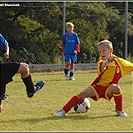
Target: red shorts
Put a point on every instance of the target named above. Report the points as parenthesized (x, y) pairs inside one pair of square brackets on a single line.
[(100, 92)]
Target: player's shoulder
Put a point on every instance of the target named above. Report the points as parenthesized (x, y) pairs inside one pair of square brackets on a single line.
[(74, 33), (66, 34), (1, 35)]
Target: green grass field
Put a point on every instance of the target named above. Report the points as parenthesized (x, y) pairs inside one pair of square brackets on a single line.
[(36, 114)]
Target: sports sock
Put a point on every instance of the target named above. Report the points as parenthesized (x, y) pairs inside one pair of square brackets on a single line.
[(71, 73), (3, 94), (66, 71), (29, 84), (72, 102), (118, 101)]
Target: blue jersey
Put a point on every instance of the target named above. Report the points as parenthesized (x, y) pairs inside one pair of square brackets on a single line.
[(69, 42), (3, 41)]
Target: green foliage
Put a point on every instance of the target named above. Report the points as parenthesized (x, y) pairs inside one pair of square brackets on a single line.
[(22, 114), (34, 30), (130, 58)]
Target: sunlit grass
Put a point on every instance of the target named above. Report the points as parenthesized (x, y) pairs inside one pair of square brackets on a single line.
[(36, 114)]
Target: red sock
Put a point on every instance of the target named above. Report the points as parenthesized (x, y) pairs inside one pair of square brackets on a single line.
[(118, 101), (72, 102)]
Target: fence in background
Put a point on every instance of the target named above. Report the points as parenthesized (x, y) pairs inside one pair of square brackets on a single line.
[(60, 67)]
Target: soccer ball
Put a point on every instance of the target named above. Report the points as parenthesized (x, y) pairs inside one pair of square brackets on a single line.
[(83, 106)]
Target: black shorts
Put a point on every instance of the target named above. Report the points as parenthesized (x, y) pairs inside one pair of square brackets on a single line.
[(7, 71)]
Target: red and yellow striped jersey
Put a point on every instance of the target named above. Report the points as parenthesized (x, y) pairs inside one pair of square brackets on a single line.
[(113, 71)]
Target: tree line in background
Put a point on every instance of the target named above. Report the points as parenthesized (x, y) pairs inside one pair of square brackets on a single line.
[(34, 29)]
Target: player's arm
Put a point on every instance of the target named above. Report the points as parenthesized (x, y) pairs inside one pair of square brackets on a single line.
[(5, 44), (106, 62), (63, 47), (6, 54), (78, 48), (63, 43), (77, 44)]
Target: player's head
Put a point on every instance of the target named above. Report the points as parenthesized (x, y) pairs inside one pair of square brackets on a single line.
[(69, 27), (105, 49), (107, 44)]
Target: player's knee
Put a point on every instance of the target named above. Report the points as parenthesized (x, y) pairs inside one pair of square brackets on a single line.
[(25, 67), (115, 88), (85, 93)]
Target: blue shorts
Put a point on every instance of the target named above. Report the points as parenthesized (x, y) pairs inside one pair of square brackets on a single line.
[(71, 57)]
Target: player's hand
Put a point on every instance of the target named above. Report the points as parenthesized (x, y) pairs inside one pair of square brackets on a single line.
[(6, 55), (75, 52), (111, 58)]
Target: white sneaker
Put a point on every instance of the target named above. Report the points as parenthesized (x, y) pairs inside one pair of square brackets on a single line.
[(72, 78), (121, 113), (67, 78), (60, 113)]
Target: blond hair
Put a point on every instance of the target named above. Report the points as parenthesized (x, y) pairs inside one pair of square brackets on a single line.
[(107, 43), (70, 24)]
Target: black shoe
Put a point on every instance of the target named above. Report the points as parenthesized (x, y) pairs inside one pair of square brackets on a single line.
[(5, 97)]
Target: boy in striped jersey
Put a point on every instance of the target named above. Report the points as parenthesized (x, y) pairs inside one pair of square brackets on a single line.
[(110, 70)]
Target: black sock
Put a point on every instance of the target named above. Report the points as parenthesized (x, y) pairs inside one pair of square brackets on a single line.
[(2, 92), (29, 84)]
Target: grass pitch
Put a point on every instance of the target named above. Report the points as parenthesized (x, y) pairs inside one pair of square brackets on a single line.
[(36, 114)]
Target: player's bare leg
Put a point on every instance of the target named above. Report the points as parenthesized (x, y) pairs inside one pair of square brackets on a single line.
[(1, 107), (74, 101), (66, 70), (26, 77), (72, 71), (24, 70), (115, 91), (88, 92)]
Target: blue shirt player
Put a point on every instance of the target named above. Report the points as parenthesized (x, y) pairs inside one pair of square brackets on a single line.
[(70, 48), (9, 69), (5, 44)]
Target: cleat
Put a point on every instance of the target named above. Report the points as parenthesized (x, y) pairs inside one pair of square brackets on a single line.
[(121, 113), (37, 87), (72, 78), (5, 97), (60, 113), (67, 78)]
